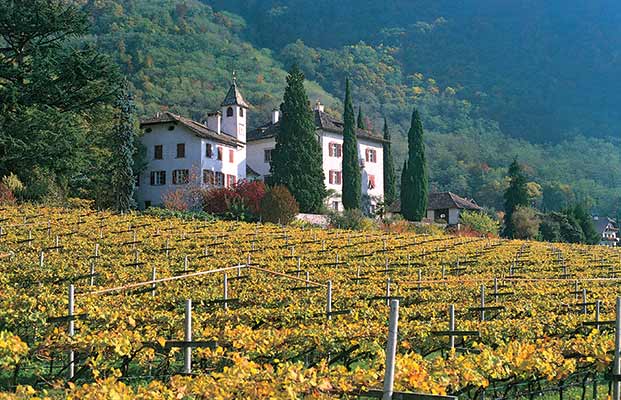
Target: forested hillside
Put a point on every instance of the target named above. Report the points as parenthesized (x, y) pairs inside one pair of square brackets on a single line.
[(179, 55)]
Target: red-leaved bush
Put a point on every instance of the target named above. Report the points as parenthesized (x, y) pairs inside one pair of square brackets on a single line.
[(6, 196), (247, 193)]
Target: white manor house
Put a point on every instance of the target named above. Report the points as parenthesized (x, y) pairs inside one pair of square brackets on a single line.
[(219, 152)]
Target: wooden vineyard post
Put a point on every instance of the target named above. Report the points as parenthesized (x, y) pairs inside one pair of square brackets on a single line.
[(388, 291), (391, 350), (92, 273), (57, 243), (307, 278), (451, 326), (153, 285), (482, 303), (598, 305), (187, 327), (41, 257), (185, 264), (584, 302), (328, 299), (225, 292), (71, 355)]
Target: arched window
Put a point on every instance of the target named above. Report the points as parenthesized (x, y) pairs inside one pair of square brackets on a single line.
[(241, 112), (229, 112)]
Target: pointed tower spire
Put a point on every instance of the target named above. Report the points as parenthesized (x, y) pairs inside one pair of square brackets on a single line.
[(234, 96)]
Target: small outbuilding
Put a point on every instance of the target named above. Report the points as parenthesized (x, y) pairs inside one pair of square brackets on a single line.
[(444, 207)]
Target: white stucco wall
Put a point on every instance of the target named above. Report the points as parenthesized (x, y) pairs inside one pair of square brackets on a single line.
[(195, 160), (256, 155), (336, 164)]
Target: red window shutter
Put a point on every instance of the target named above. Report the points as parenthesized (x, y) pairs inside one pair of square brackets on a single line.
[(338, 177), (208, 150), (220, 153), (231, 155), (330, 179), (371, 182), (339, 150), (331, 149)]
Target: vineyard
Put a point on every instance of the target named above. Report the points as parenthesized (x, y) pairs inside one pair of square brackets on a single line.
[(97, 305)]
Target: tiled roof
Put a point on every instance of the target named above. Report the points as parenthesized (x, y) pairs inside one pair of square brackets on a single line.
[(196, 128), (234, 98), (323, 121), (443, 201)]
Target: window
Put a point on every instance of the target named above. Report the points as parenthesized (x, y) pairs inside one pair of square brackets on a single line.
[(220, 153), (231, 155), (180, 176), (208, 150), (180, 150), (335, 149), (158, 152), (371, 155), (241, 112), (229, 112), (219, 179), (209, 177), (371, 182), (158, 178), (335, 205), (230, 180), (268, 155), (334, 177)]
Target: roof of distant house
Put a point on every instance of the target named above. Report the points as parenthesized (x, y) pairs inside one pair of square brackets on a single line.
[(602, 223), (443, 201), (323, 121), (196, 128)]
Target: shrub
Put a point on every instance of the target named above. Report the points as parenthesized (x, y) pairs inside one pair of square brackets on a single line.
[(525, 222), (6, 195), (279, 206), (12, 182), (480, 222), (242, 201), (77, 203), (351, 219)]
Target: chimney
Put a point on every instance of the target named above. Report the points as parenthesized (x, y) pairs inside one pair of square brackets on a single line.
[(275, 115), (318, 106), (214, 122)]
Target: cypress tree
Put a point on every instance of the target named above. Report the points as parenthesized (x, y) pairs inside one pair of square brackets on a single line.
[(516, 195), (389, 168), (297, 160), (122, 179), (405, 186), (351, 164), (414, 206), (361, 122)]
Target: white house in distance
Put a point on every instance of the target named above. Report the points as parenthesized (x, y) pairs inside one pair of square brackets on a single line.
[(608, 230), (262, 141), (181, 151)]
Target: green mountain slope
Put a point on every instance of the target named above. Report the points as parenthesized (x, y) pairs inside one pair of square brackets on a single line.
[(179, 55), (545, 70)]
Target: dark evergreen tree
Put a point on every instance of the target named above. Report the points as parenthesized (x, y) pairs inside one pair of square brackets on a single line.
[(414, 206), (122, 177), (585, 221), (297, 160), (405, 185), (516, 195), (351, 164), (390, 191), (361, 123)]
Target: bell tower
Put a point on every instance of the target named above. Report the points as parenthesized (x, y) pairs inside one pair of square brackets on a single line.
[(234, 113)]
